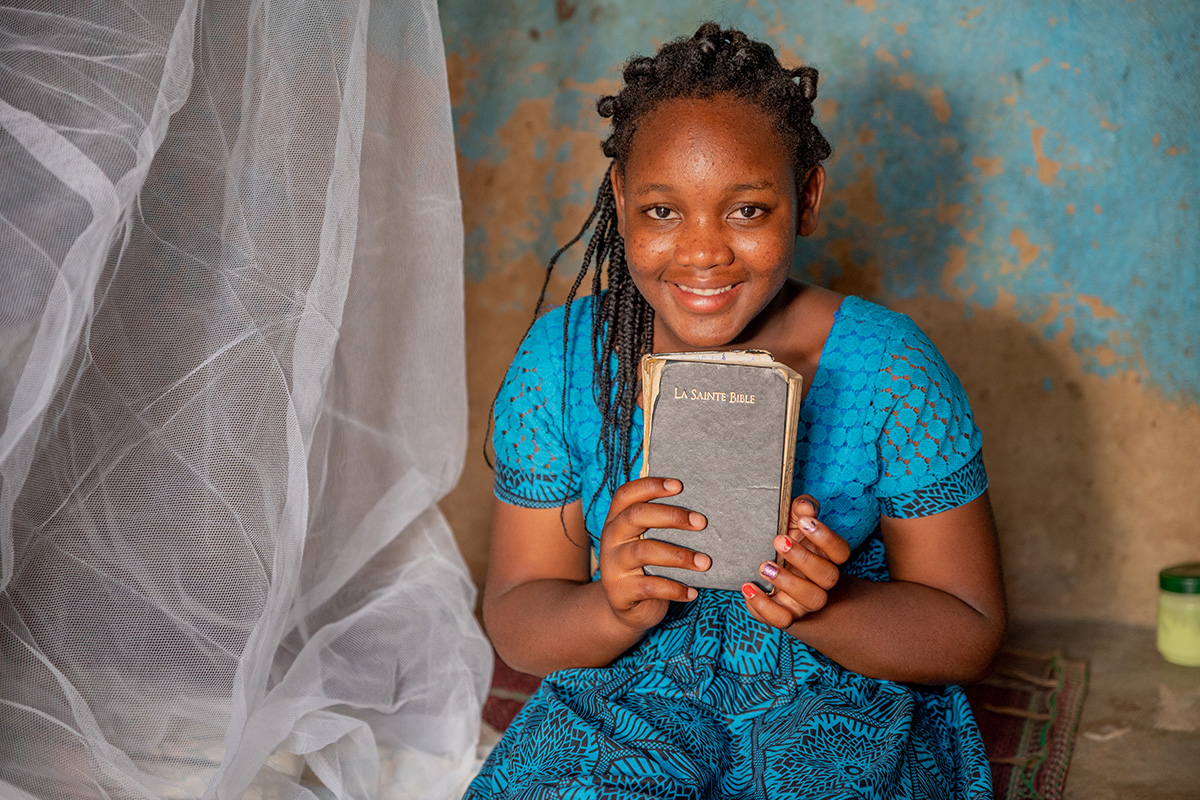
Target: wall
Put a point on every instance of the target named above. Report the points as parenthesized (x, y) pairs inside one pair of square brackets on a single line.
[(1019, 177)]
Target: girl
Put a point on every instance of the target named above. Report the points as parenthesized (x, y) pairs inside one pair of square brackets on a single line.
[(839, 683)]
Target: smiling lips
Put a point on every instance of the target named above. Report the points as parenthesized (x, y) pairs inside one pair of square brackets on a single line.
[(704, 299), (704, 292)]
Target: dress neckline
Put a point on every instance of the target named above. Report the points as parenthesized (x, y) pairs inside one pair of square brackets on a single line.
[(819, 374)]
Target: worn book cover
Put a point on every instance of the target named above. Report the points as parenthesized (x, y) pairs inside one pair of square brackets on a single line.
[(724, 424)]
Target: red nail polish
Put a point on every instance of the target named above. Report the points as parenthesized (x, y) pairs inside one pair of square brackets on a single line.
[(786, 544), (748, 590)]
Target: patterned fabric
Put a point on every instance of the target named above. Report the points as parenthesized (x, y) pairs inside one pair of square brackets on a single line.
[(949, 492), (712, 703)]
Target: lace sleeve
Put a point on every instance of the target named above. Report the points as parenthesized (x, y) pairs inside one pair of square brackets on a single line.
[(533, 462), (929, 446)]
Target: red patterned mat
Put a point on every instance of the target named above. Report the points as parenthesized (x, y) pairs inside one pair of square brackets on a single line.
[(1028, 712)]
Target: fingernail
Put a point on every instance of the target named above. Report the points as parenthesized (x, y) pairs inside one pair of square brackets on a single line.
[(769, 571), (807, 524), (672, 485), (748, 590), (697, 519), (783, 543), (692, 594), (701, 561)]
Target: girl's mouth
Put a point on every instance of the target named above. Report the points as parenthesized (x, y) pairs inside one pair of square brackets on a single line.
[(704, 299), (704, 292)]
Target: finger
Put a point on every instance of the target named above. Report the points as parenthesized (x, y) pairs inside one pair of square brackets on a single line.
[(751, 609), (637, 519), (642, 490), (776, 574), (635, 589), (835, 548), (815, 567), (803, 505), (652, 552), (800, 510), (808, 545), (799, 596), (764, 609)]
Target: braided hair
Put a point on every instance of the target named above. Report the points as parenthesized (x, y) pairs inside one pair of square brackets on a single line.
[(713, 61)]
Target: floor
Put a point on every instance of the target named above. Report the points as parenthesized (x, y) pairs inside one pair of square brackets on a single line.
[(1139, 735)]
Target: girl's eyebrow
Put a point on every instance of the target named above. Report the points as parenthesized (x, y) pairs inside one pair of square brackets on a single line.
[(647, 188), (755, 186)]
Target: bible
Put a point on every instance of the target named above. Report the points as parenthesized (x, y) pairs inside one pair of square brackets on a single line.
[(724, 425)]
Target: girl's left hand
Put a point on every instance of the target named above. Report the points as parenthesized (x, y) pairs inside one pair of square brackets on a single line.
[(810, 554)]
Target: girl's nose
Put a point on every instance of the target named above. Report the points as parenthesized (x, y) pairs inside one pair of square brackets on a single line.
[(701, 245)]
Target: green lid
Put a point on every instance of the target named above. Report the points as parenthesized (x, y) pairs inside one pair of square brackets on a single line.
[(1181, 578)]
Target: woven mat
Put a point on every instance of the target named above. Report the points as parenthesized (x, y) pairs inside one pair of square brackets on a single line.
[(1028, 712)]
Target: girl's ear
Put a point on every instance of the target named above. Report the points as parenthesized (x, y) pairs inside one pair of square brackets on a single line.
[(810, 200), (618, 190)]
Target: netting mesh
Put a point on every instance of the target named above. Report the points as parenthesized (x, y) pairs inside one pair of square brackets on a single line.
[(232, 390)]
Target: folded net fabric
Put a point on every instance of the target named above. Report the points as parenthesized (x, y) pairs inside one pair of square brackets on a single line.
[(231, 392)]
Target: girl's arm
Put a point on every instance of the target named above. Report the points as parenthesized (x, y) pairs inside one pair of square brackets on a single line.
[(541, 608), (940, 619)]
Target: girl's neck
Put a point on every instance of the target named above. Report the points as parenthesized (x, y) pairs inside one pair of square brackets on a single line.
[(774, 328)]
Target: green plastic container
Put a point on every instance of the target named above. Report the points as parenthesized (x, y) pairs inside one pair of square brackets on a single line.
[(1179, 614)]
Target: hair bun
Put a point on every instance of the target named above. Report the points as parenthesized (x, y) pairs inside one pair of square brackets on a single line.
[(806, 79), (638, 68), (708, 38), (606, 106)]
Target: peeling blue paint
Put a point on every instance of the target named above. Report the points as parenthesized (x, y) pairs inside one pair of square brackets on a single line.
[(1109, 88), (473, 259)]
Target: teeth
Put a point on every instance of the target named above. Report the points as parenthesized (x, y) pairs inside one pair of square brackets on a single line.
[(705, 292)]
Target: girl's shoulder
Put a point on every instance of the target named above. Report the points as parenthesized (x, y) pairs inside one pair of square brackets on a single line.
[(859, 310), (554, 320), (872, 323), (866, 337), (820, 321), (874, 339), (558, 336)]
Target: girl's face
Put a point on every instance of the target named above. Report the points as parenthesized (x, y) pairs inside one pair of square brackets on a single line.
[(709, 210)]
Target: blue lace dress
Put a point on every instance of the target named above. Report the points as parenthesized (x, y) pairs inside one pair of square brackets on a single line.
[(712, 703)]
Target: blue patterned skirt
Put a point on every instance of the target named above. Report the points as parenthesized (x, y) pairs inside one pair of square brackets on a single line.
[(714, 704)]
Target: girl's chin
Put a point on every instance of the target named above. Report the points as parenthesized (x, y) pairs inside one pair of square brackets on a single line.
[(684, 335)]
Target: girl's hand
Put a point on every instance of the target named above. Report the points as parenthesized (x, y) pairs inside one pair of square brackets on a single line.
[(639, 600), (811, 554)]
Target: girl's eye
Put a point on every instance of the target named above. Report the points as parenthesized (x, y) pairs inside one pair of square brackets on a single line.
[(660, 212), (748, 212)]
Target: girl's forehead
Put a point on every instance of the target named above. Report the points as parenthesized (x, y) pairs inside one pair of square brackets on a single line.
[(717, 109), (723, 127)]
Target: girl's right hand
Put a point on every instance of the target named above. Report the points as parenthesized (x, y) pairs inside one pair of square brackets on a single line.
[(638, 600)]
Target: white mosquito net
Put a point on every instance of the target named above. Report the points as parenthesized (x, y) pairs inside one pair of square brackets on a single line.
[(232, 390)]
